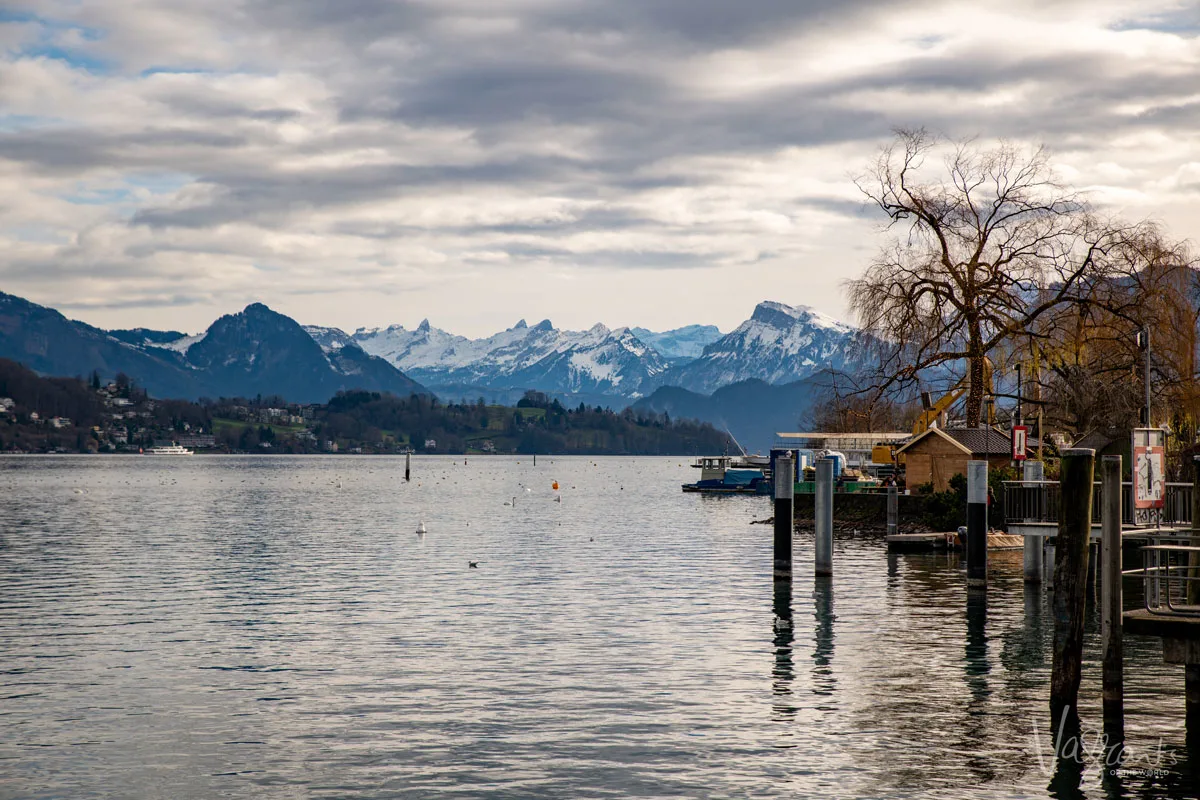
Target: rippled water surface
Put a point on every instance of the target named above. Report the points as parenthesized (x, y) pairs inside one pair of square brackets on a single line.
[(273, 627)]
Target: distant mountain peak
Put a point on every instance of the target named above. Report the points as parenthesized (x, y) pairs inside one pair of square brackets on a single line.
[(780, 315), (424, 326), (519, 326), (778, 344), (544, 325)]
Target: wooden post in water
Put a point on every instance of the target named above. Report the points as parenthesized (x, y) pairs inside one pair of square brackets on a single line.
[(1070, 577), (535, 459), (1193, 588), (1110, 603), (1035, 546), (785, 495), (1191, 689), (977, 524), (823, 517), (407, 467), (893, 511)]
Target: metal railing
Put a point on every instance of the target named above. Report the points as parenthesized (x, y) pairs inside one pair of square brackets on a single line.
[(1032, 502), (1171, 579)]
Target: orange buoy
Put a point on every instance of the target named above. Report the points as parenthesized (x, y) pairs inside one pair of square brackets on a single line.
[(554, 486)]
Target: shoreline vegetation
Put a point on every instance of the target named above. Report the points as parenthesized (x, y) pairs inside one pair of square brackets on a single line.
[(76, 415)]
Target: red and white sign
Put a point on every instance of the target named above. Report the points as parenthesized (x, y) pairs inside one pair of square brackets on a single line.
[(1149, 475), (1020, 438)]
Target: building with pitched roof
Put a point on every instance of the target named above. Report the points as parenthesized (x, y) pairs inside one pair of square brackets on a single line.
[(937, 455)]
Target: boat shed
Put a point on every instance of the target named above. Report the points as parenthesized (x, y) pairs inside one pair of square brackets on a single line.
[(937, 455)]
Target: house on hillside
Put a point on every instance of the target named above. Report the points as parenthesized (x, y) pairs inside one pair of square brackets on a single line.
[(937, 455)]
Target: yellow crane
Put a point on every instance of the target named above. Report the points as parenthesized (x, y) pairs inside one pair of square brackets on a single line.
[(934, 409)]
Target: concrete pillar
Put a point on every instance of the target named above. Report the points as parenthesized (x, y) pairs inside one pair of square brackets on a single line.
[(977, 524), (1033, 558), (785, 494), (824, 517)]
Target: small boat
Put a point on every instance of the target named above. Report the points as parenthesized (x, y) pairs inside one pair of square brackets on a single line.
[(169, 450), (421, 528), (725, 475)]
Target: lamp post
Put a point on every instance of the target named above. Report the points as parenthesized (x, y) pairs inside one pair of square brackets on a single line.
[(1143, 341)]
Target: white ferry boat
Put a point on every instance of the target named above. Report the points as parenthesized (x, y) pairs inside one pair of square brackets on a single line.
[(169, 450)]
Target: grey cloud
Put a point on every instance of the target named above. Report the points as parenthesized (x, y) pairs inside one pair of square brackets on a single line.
[(71, 150), (610, 72)]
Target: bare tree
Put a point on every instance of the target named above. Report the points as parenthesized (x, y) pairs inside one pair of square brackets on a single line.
[(988, 245), (1087, 366)]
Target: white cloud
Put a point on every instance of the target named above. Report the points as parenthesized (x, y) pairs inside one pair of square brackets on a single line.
[(368, 162)]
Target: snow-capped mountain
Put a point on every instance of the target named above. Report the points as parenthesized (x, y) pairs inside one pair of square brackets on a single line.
[(683, 343), (778, 344), (595, 361)]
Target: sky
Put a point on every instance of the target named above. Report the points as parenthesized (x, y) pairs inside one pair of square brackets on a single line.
[(633, 162)]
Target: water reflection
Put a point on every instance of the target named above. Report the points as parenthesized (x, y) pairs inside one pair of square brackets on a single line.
[(978, 726), (1067, 737), (824, 681), (784, 672)]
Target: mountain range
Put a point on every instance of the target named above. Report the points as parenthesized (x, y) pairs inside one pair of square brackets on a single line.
[(760, 375), (778, 344), (255, 351)]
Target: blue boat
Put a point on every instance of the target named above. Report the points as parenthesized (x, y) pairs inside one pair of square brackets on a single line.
[(725, 475)]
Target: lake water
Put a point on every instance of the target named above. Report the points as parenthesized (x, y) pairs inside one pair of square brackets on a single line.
[(274, 628)]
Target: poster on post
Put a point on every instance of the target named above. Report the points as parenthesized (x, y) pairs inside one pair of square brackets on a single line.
[(1020, 440), (1149, 476)]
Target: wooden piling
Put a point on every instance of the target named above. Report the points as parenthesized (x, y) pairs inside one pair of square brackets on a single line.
[(1110, 603), (407, 467), (1191, 688), (1193, 587), (893, 511), (823, 517), (977, 524), (785, 492), (1070, 576)]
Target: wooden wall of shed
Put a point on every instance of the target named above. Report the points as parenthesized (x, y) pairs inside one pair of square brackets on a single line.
[(937, 466)]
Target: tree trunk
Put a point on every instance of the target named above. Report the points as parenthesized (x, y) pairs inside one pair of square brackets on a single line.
[(975, 365)]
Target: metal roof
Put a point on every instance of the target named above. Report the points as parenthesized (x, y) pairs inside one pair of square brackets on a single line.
[(887, 436), (979, 441)]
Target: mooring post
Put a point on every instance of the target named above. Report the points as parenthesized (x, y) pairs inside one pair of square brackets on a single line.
[(1034, 546), (407, 467), (1070, 577), (785, 493), (535, 459), (823, 517), (1191, 689), (1193, 584), (977, 494), (893, 511), (1110, 603)]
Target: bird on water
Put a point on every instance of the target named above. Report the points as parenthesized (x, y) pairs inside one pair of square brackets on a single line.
[(472, 565)]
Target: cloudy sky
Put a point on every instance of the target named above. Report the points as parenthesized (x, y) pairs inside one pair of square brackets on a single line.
[(640, 162)]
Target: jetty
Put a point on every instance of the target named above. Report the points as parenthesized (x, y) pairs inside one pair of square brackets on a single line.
[(1073, 534)]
